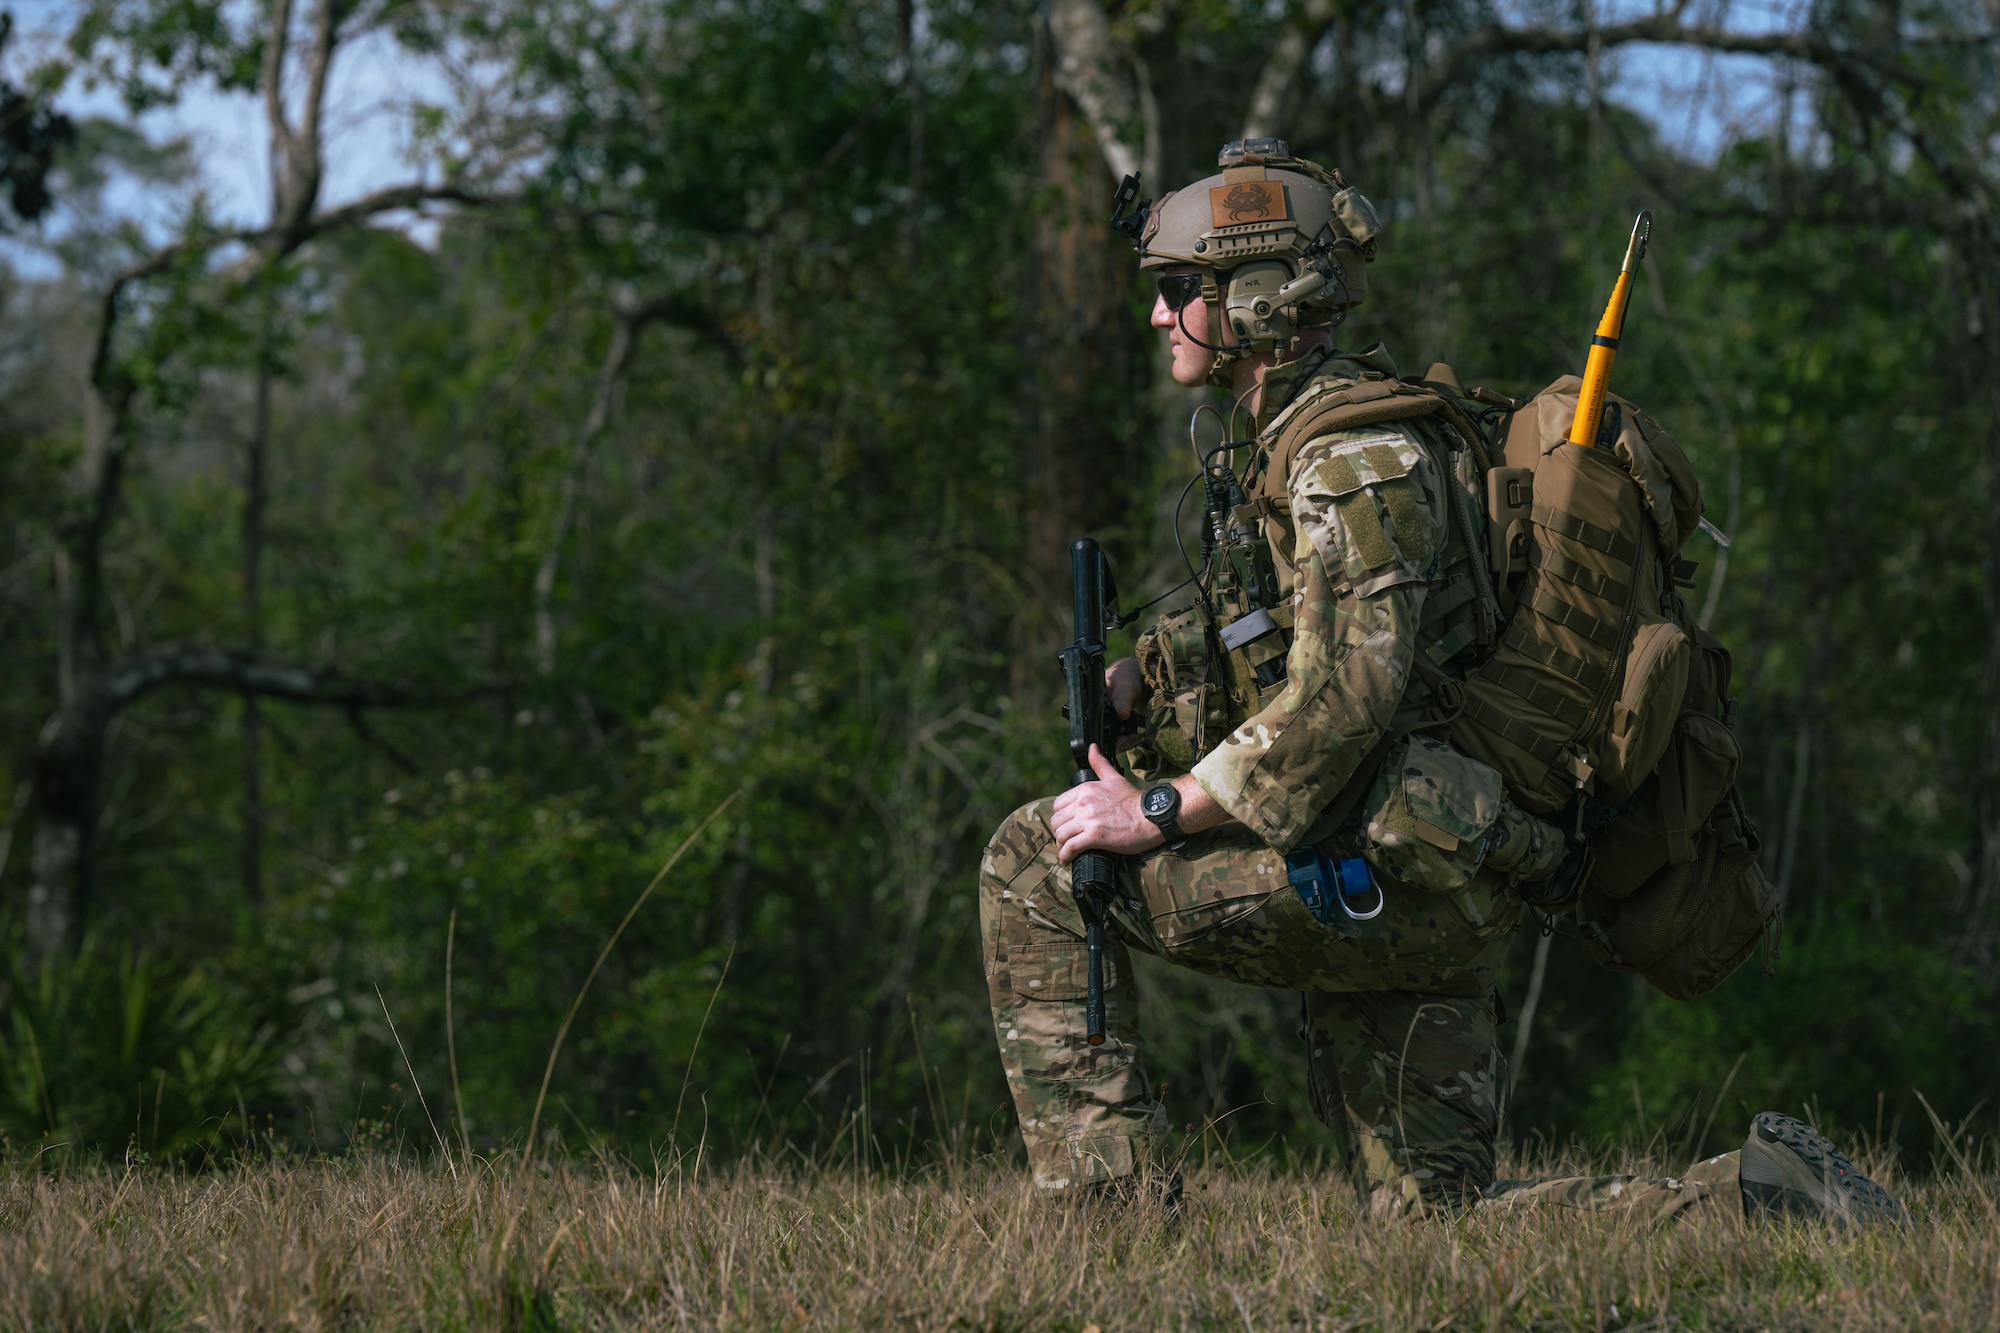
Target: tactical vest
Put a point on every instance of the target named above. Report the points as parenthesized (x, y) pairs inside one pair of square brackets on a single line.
[(1602, 696)]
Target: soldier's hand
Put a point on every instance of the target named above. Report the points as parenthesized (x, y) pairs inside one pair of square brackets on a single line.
[(1103, 815), (1125, 685)]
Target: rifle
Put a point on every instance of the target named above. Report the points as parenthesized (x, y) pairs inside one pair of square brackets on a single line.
[(1094, 874), (1589, 427)]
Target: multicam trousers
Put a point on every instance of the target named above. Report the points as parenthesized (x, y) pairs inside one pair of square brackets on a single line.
[(1400, 1018)]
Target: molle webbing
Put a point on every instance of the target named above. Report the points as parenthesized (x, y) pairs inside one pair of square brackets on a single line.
[(1590, 676), (1569, 571), (1494, 718), (1454, 592), (1542, 705), (1614, 544), (1567, 615), (1550, 698)]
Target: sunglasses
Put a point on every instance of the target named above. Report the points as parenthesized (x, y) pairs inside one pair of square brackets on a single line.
[(1177, 289)]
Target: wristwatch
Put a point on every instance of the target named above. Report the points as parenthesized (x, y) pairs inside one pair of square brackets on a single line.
[(1161, 803)]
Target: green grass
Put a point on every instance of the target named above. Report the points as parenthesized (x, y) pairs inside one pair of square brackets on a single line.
[(385, 1243)]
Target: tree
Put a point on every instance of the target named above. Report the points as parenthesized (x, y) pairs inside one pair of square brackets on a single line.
[(200, 276)]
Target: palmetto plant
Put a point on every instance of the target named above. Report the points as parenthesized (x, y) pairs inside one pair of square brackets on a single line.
[(108, 1048)]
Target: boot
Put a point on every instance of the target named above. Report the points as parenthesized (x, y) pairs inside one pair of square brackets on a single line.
[(1788, 1170)]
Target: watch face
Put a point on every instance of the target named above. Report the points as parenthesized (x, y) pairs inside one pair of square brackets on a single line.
[(1159, 800)]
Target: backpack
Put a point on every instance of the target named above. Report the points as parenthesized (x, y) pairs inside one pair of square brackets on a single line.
[(1602, 685)]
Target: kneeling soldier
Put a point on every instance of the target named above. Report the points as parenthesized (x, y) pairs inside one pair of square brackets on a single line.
[(1300, 823)]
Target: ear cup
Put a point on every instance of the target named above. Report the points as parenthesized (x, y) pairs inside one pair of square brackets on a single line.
[(1249, 307)]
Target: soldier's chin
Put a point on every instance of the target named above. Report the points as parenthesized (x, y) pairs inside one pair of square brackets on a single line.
[(1191, 372)]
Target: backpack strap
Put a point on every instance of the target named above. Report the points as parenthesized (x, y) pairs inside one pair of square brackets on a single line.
[(1368, 403), (1373, 403)]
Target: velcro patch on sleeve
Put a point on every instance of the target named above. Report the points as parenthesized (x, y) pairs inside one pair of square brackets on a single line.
[(1364, 529), (1386, 461), (1368, 486), (1336, 476)]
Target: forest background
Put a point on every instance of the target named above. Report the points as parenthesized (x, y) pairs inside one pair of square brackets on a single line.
[(700, 405)]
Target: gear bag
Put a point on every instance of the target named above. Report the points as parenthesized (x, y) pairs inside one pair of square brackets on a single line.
[(1603, 686)]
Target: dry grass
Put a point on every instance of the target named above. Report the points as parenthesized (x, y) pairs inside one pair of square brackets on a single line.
[(382, 1243)]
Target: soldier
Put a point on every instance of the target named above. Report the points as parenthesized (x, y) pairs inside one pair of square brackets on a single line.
[(1292, 711)]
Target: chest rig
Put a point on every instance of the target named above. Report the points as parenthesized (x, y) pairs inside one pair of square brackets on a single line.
[(1222, 660)]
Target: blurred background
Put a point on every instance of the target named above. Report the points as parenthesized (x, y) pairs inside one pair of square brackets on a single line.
[(449, 446)]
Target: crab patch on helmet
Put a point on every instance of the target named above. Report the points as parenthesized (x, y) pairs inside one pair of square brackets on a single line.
[(1234, 204)]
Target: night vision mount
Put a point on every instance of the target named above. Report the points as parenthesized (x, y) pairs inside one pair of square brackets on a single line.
[(1131, 225)]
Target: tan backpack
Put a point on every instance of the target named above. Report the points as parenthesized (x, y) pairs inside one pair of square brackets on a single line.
[(1604, 684)]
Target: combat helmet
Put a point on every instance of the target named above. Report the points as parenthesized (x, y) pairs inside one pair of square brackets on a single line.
[(1280, 244)]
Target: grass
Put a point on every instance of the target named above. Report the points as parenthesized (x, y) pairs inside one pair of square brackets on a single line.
[(382, 1242)]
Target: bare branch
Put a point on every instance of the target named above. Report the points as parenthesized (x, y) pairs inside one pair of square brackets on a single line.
[(629, 320), (1089, 69), (272, 77), (1875, 67), (354, 213), (1665, 28), (318, 65), (1280, 74), (249, 673), (370, 206)]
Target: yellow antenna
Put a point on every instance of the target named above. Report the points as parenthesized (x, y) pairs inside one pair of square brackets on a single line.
[(1604, 347)]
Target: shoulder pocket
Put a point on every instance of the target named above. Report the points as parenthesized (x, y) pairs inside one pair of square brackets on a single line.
[(1369, 484)]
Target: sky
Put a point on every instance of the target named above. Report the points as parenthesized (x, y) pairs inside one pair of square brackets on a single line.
[(1698, 100), (368, 95)]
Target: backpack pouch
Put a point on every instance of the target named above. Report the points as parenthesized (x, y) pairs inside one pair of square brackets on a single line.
[(1688, 926), (1634, 848), (1530, 708), (1642, 716)]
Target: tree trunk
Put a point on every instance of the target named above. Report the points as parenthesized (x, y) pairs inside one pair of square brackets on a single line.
[(67, 766), (1978, 934), (1090, 454), (256, 496), (1979, 901)]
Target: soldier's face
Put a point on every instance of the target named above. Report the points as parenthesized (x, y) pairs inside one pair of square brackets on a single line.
[(1190, 363)]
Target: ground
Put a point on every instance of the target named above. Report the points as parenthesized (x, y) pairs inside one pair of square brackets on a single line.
[(378, 1242)]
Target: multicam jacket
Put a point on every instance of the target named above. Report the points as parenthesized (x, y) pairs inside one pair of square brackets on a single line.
[(1370, 565)]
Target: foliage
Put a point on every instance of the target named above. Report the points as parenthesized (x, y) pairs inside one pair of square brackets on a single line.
[(110, 1047)]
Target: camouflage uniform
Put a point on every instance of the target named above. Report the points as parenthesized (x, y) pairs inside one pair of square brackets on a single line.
[(1714, 1182), (1401, 1012)]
